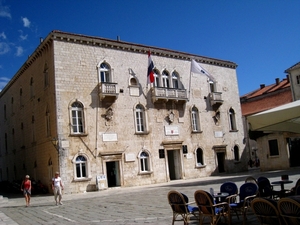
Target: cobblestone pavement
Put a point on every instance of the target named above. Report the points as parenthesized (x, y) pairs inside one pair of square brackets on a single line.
[(123, 206)]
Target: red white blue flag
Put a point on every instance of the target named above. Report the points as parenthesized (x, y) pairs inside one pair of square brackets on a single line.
[(150, 74)]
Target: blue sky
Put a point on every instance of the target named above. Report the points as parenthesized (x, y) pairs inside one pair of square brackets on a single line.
[(261, 36)]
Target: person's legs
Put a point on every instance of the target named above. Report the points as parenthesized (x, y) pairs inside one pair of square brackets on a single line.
[(60, 195), (55, 194)]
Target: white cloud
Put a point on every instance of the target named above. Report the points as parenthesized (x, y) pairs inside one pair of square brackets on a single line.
[(2, 35), (26, 22), (3, 82), (22, 36), (4, 48), (20, 51), (4, 11)]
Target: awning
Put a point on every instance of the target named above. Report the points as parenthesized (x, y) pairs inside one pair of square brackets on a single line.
[(282, 118)]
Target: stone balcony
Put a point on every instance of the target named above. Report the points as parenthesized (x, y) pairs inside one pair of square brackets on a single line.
[(108, 90), (168, 94)]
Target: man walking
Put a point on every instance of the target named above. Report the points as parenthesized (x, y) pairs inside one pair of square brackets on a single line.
[(57, 188)]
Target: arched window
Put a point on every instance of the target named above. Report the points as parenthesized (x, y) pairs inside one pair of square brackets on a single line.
[(165, 79), (105, 73), (175, 82), (140, 119), (232, 120), (195, 120), (144, 160), (77, 118), (156, 78), (81, 167), (236, 153), (199, 157)]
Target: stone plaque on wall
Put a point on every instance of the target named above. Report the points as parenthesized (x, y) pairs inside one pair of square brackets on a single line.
[(110, 137), (129, 157), (218, 134), (171, 130)]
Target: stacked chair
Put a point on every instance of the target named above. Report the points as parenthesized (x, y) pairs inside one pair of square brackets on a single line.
[(289, 209)]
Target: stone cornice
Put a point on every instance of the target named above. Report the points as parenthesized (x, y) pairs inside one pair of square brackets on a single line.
[(112, 44)]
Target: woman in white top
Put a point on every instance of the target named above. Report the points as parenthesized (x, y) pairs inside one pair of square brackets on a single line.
[(57, 188)]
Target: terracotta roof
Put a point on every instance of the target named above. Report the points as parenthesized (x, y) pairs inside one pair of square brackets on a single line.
[(266, 97)]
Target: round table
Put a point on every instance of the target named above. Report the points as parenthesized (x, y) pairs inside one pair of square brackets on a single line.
[(220, 195)]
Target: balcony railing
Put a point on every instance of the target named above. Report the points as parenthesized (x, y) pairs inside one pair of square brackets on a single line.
[(167, 94), (108, 90), (215, 98)]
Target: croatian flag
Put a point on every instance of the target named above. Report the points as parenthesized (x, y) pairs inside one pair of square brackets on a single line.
[(196, 68), (150, 74)]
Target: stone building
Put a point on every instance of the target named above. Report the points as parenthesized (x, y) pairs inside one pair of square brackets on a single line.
[(274, 149), (82, 106)]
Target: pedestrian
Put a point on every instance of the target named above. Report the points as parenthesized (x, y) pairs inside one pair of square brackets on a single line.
[(26, 188), (57, 188)]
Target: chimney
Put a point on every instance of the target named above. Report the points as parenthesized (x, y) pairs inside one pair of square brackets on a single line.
[(262, 86), (118, 38), (277, 81), (288, 78)]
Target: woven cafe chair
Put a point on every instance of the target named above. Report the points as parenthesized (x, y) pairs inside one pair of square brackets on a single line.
[(207, 208), (289, 209), (266, 211), (181, 208), (247, 192)]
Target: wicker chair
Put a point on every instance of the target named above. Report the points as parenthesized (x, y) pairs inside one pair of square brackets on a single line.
[(181, 207), (251, 180), (228, 187), (247, 192), (207, 208), (289, 209), (266, 211)]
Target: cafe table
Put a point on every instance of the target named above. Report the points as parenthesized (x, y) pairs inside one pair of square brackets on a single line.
[(218, 196), (282, 183)]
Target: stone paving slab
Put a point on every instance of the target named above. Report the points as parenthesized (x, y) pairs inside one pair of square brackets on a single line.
[(122, 206)]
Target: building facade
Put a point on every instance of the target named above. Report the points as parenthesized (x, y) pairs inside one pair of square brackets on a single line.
[(273, 150), (82, 106)]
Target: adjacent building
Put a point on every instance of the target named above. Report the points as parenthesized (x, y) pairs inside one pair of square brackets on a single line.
[(82, 106), (272, 149)]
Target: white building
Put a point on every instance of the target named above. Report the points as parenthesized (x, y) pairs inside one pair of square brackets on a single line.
[(81, 105)]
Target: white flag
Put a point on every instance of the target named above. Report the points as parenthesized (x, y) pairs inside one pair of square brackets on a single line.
[(196, 68)]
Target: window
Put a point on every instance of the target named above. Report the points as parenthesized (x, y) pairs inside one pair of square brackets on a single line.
[(195, 120), (77, 118), (165, 79), (156, 78), (4, 112), (144, 161), (273, 147), (212, 86), (31, 88), (21, 98), (12, 105), (175, 83), (236, 153), (48, 131), (199, 157), (81, 166), (298, 79), (232, 120), (46, 76), (105, 75), (140, 119)]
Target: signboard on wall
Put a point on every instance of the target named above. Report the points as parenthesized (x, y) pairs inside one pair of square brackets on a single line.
[(171, 130), (110, 137)]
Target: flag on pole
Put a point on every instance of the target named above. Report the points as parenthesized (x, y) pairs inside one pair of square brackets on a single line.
[(196, 68), (150, 74)]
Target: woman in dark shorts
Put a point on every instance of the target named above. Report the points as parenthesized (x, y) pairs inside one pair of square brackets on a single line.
[(26, 188)]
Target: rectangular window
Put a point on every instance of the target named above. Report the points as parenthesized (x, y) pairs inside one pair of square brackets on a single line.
[(161, 153), (273, 147), (298, 79)]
